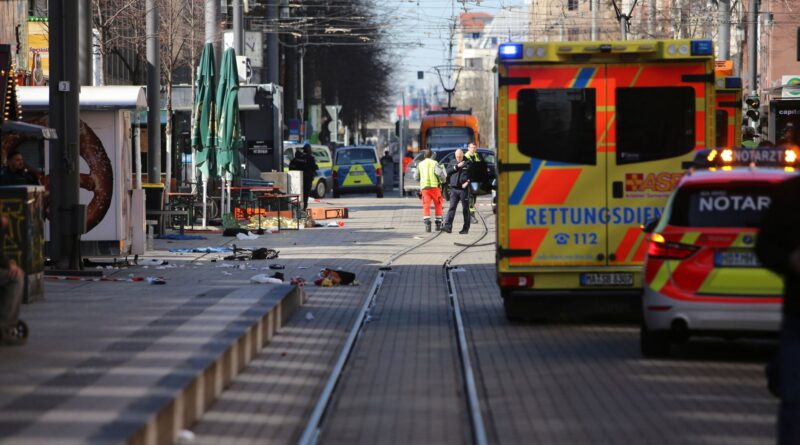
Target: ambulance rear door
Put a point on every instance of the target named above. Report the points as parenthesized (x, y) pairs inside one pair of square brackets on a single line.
[(552, 169), (658, 113)]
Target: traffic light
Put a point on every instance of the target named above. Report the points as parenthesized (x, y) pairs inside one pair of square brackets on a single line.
[(753, 104)]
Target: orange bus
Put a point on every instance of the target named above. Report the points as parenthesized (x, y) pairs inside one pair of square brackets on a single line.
[(448, 128)]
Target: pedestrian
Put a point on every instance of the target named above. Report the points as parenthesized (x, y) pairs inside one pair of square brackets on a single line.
[(386, 158), (305, 162), (429, 174), (11, 283), (788, 139), (458, 181), (407, 160), (749, 137), (475, 159), (778, 248), (16, 172)]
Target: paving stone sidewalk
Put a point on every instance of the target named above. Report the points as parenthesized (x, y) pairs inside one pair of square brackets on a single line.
[(102, 354)]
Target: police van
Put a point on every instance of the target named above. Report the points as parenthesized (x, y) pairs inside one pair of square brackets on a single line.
[(591, 141)]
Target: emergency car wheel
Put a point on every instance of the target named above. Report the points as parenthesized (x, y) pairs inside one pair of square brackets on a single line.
[(320, 189), (654, 343), (379, 194), (336, 193)]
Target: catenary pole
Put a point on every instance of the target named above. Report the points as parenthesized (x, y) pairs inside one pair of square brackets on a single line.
[(85, 42), (238, 30), (752, 45), (65, 211), (724, 44), (153, 95), (272, 42)]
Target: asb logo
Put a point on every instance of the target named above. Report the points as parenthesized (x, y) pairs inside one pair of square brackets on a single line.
[(651, 182)]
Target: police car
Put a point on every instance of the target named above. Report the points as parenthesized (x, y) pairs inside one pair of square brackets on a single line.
[(356, 169), (702, 276)]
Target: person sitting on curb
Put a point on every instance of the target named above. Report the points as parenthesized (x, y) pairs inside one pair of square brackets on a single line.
[(11, 283)]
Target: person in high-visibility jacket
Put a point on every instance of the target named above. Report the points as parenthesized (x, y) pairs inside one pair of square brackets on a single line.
[(473, 156), (430, 174)]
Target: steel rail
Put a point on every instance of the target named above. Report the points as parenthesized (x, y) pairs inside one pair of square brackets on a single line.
[(312, 429), (471, 388)]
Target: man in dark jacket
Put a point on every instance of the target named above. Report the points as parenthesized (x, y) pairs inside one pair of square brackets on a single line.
[(11, 282), (16, 173), (778, 248), (458, 181), (305, 162)]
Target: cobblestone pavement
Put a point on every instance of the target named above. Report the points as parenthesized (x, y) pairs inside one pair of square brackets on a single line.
[(270, 401), (587, 383), (538, 383)]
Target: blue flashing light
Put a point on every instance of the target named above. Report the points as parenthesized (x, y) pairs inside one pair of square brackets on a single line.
[(733, 82), (510, 51), (702, 48)]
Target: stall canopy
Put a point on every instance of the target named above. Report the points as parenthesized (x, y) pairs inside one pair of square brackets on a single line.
[(91, 98)]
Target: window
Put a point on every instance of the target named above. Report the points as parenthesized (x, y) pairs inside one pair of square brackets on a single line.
[(356, 156), (742, 205), (572, 5), (476, 35), (573, 34), (321, 155), (449, 136), (654, 123), (722, 128), (557, 125), (474, 62)]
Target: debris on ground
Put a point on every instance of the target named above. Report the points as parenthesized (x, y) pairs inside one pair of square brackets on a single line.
[(309, 316), (180, 237), (298, 281), (329, 277), (264, 279), (246, 236), (152, 262), (277, 266), (201, 250), (156, 280)]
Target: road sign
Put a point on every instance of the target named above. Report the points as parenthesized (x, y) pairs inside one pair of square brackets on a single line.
[(791, 86)]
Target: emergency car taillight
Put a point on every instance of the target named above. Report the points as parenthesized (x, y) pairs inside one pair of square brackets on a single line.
[(379, 171), (516, 281), (334, 174), (659, 248)]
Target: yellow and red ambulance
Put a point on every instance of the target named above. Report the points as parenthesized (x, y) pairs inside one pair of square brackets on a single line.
[(592, 137), (728, 106)]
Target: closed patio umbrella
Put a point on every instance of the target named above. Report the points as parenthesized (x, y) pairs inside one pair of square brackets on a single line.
[(204, 119), (229, 128)]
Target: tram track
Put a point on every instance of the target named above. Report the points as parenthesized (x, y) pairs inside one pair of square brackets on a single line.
[(313, 428)]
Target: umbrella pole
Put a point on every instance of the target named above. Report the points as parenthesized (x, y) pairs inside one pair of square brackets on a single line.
[(230, 180), (205, 201)]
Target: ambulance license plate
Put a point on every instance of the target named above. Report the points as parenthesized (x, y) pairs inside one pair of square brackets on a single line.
[(607, 279), (357, 173), (736, 258)]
